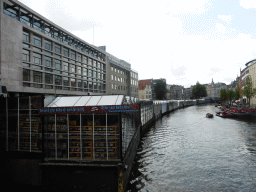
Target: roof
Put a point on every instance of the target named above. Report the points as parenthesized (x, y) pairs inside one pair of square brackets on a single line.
[(87, 101)]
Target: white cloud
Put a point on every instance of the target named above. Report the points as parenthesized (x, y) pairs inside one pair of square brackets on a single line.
[(226, 18), (221, 28), (187, 6), (248, 4)]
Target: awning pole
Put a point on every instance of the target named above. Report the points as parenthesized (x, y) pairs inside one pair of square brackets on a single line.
[(30, 121), (107, 134), (93, 135), (7, 128), (55, 136), (81, 149), (18, 123), (68, 133)]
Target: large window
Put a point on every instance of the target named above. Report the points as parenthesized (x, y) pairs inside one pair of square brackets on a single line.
[(25, 55), (58, 80), (48, 45), (79, 57), (37, 78), (73, 82), (48, 78), (73, 55), (73, 68), (79, 70), (26, 36), (85, 59), (57, 48), (37, 41), (48, 61), (65, 51), (37, 58), (85, 72), (65, 66), (65, 81), (57, 66), (26, 75)]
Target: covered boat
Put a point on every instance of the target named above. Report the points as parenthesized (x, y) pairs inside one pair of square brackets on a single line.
[(209, 115)]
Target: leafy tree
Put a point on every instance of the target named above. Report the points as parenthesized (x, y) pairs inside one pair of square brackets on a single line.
[(248, 90), (237, 94), (223, 95), (230, 95), (160, 89), (199, 91)]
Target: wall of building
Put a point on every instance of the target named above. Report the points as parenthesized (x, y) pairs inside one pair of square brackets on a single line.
[(76, 68), (252, 73), (11, 53)]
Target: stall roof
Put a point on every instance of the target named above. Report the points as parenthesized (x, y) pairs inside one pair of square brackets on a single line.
[(87, 101)]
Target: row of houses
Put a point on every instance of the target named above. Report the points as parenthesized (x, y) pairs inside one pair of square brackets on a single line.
[(178, 92)]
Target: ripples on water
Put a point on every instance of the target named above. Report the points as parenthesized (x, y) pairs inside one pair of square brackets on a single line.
[(185, 151)]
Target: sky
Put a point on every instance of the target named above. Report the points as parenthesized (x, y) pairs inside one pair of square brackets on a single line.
[(183, 41)]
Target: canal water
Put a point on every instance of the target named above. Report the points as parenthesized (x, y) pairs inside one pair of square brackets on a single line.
[(185, 151)]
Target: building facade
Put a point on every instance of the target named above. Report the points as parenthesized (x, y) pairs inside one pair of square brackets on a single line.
[(121, 79), (39, 57), (213, 89), (249, 70), (188, 93), (175, 92), (145, 90)]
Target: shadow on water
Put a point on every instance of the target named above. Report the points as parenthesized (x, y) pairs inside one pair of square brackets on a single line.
[(185, 151)]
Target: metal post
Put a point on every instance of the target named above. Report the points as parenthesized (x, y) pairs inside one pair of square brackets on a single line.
[(7, 129), (81, 149), (107, 134), (18, 123), (56, 136), (93, 135), (30, 122), (68, 134)]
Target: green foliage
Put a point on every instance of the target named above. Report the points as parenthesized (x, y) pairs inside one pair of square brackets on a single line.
[(237, 94), (248, 90), (223, 95), (199, 91), (160, 89), (230, 95)]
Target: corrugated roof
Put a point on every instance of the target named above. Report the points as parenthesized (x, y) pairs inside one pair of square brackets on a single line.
[(71, 101)]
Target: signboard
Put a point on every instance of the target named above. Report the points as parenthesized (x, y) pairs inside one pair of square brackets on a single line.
[(89, 109)]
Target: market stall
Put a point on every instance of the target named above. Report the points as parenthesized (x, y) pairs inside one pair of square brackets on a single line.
[(84, 127)]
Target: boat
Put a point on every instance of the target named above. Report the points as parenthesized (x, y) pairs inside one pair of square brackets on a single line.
[(240, 112), (224, 114), (209, 115)]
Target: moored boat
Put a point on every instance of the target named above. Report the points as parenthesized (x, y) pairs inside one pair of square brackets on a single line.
[(224, 114), (241, 112)]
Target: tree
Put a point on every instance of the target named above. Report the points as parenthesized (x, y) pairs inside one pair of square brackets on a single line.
[(230, 95), (248, 90), (160, 89), (237, 94), (223, 95), (199, 91)]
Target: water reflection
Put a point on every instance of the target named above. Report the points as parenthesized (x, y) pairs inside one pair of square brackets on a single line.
[(185, 151)]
